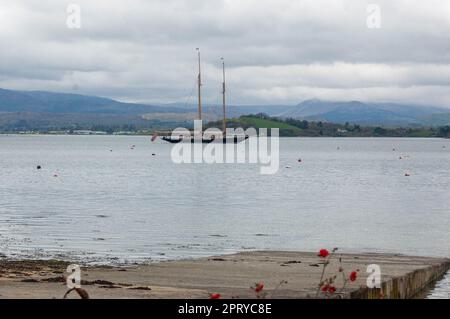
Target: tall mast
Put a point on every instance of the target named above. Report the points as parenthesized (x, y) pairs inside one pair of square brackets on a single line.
[(224, 128), (199, 87)]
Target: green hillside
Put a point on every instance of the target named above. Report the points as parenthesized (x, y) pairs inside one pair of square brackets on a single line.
[(293, 127), (265, 123)]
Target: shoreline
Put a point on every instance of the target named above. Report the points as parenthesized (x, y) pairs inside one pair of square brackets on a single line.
[(281, 136), (230, 275)]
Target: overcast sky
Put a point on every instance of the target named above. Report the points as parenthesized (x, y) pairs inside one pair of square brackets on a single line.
[(277, 51)]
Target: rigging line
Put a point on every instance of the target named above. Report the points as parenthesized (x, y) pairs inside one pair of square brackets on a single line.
[(194, 87), (188, 99)]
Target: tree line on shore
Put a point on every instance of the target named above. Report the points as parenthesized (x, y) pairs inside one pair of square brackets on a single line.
[(290, 127)]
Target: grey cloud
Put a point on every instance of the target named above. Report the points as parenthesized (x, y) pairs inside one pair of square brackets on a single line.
[(277, 50)]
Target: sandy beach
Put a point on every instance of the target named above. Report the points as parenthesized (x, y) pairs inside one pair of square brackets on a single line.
[(231, 276)]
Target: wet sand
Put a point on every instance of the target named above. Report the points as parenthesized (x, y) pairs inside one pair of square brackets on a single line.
[(230, 275)]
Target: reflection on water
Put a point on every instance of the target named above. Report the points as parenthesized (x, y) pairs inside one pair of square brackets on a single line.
[(442, 289), (100, 199)]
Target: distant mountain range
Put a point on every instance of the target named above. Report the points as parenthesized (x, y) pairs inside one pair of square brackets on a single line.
[(48, 110), (49, 102), (382, 114), (354, 112)]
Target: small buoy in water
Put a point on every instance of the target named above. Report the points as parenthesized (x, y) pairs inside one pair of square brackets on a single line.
[(38, 167), (338, 148), (407, 174), (153, 154), (400, 157), (55, 175), (299, 160), (393, 150), (288, 166)]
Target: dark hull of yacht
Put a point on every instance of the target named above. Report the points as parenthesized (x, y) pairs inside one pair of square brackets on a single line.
[(225, 140)]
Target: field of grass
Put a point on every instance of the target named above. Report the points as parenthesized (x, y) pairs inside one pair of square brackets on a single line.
[(264, 123), (292, 127)]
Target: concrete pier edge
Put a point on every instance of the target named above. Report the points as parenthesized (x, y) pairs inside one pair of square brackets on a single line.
[(410, 285), (230, 275)]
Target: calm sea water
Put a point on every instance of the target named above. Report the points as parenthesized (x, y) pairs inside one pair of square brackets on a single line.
[(101, 200), (112, 203)]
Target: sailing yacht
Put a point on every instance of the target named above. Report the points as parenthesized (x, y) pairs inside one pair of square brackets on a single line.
[(212, 138)]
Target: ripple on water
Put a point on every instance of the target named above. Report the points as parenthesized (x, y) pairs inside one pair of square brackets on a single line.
[(442, 289), (356, 198)]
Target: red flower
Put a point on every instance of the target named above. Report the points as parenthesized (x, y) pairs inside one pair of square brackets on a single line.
[(214, 296), (329, 288), (353, 275), (259, 287), (323, 253)]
